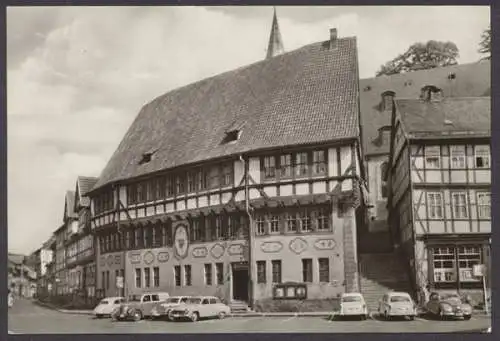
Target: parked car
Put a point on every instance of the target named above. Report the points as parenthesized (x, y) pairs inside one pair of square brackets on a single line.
[(200, 307), (448, 306), (398, 304), (353, 304), (162, 310), (107, 305), (139, 306), (10, 299)]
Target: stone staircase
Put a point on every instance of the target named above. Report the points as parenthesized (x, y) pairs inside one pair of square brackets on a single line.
[(380, 273), (238, 306)]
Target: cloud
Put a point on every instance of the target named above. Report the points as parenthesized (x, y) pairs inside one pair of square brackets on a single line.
[(77, 77)]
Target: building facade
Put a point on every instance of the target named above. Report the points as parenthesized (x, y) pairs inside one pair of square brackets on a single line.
[(234, 202), (440, 183)]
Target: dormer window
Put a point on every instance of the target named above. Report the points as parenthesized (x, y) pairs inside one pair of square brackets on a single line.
[(233, 132), (147, 157)]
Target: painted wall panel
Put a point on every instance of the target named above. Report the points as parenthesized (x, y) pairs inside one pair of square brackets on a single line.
[(254, 194), (180, 205), (214, 200), (319, 187), (332, 162), (485, 226), (170, 207), (254, 169), (462, 226), (286, 190), (483, 176), (240, 196), (150, 210), (226, 197), (458, 176), (345, 159), (302, 189), (436, 226), (191, 204), (160, 209), (239, 173), (271, 191)]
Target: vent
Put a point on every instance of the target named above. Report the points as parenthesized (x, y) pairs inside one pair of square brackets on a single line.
[(147, 157), (367, 88), (232, 136)]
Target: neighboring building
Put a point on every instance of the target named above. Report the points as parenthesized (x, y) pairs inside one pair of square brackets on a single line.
[(38, 261), (465, 80), (245, 185), (70, 221), (21, 279), (439, 187), (60, 272)]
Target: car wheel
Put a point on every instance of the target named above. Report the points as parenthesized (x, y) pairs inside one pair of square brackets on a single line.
[(137, 315), (441, 315), (99, 316), (412, 318), (195, 317), (467, 317), (221, 315), (386, 317)]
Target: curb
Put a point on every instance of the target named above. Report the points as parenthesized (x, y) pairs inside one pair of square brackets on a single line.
[(64, 311), (305, 314)]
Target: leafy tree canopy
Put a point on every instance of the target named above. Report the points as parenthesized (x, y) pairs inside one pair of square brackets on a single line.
[(485, 44), (421, 56)]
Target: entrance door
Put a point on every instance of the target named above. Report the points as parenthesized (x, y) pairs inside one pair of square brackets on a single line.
[(240, 281)]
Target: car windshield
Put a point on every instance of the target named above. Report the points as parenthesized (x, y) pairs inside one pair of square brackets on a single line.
[(194, 300), (134, 298), (400, 299), (173, 300), (351, 299), (103, 302), (450, 297)]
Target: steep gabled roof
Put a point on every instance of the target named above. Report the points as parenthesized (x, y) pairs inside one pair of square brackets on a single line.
[(83, 185), (305, 96), (448, 118), (465, 80)]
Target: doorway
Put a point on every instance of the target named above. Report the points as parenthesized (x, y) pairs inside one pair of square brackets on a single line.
[(240, 281)]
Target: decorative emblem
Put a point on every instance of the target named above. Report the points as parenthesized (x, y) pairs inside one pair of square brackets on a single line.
[(217, 251), (271, 247), (200, 252), (135, 258), (235, 249), (103, 261), (110, 260), (163, 257), (181, 241), (118, 259), (324, 244), (148, 257), (298, 245)]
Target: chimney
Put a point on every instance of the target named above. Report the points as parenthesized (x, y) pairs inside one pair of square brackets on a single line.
[(333, 37), (388, 100)]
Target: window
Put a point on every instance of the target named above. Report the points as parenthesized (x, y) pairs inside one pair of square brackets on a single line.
[(219, 268), (117, 274), (484, 205), (195, 230), (432, 157), (187, 275), (132, 194), (157, 235), (260, 225), (146, 298), (319, 162), (460, 205), (138, 237), (213, 301), (286, 165), (177, 275), (148, 237), (435, 205), (180, 184), (444, 264), (457, 156), (151, 190), (261, 271), (214, 177), (468, 256), (141, 192), (307, 273), (301, 164), (147, 277), (156, 277), (482, 156), (324, 270), (227, 175), (218, 227), (107, 279), (138, 278), (322, 220), (383, 179), (291, 223), (160, 188), (169, 182), (269, 167), (164, 234), (103, 279), (202, 179), (191, 182), (155, 298), (274, 224), (305, 222), (208, 274), (276, 267)]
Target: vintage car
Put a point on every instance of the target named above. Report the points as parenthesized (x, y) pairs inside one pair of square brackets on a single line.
[(10, 299), (397, 304), (353, 304), (162, 310), (107, 305), (448, 306), (200, 307), (138, 307)]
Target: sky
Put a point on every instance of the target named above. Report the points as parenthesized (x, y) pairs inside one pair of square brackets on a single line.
[(78, 76)]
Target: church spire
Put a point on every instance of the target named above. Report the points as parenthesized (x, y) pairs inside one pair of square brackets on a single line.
[(275, 46)]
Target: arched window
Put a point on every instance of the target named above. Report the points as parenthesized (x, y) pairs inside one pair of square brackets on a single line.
[(383, 179)]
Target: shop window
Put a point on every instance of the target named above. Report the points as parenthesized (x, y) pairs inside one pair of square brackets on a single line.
[(261, 271)]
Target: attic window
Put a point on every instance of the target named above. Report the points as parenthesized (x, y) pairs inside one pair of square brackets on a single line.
[(147, 157), (452, 76), (232, 136), (408, 83), (367, 88)]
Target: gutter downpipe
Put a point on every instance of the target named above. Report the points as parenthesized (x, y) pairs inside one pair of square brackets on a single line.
[(250, 236), (122, 242)]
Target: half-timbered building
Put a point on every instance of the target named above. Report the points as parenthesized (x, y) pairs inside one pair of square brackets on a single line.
[(244, 185), (440, 183)]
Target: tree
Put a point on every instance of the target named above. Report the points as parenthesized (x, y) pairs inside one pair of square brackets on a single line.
[(485, 44), (421, 56)]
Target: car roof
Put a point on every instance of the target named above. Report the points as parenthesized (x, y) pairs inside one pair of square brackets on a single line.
[(352, 294), (112, 298), (398, 293)]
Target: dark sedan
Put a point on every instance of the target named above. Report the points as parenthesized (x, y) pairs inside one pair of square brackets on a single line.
[(448, 306)]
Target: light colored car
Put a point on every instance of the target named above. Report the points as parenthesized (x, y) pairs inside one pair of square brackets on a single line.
[(162, 310), (138, 307), (448, 306), (107, 305), (397, 304), (353, 304), (10, 300), (200, 307)]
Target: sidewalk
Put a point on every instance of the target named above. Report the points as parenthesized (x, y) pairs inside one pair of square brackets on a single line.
[(65, 311)]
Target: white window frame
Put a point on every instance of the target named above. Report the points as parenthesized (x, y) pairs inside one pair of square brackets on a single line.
[(305, 221), (457, 157), (435, 206), (482, 207), (444, 274), (456, 205), (260, 225), (471, 255), (482, 151), (274, 219), (432, 152)]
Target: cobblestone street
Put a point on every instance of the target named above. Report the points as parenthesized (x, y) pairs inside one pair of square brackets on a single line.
[(26, 317)]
